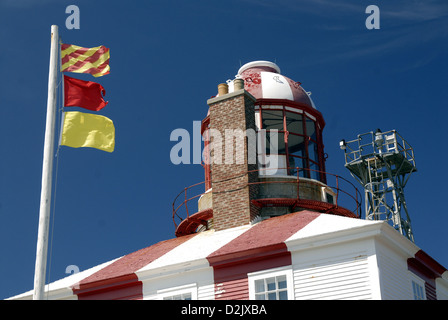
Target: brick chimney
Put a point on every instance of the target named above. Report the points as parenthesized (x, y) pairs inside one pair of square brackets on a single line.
[(231, 116)]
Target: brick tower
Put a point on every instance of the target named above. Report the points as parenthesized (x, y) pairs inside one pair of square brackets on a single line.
[(231, 116)]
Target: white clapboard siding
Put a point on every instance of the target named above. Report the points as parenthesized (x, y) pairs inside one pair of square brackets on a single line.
[(206, 292), (347, 279), (442, 288), (394, 277)]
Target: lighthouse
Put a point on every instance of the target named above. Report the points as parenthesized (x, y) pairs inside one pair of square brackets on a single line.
[(276, 152), (268, 222)]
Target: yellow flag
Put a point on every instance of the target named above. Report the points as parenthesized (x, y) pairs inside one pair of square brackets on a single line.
[(87, 130)]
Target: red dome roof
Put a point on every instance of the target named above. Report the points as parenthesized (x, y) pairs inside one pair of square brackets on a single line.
[(263, 80)]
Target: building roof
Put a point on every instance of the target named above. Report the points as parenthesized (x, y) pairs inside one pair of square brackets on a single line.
[(273, 236)]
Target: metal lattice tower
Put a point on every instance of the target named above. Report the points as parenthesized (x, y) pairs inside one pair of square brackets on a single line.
[(382, 163)]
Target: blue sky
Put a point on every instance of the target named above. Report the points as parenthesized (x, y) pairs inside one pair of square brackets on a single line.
[(167, 58)]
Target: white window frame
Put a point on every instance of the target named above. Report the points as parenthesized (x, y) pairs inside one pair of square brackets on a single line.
[(419, 282), (286, 271), (189, 288)]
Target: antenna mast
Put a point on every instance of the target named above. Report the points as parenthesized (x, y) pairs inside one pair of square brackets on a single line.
[(382, 163)]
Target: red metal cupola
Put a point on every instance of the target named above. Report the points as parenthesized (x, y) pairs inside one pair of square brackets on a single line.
[(263, 156)]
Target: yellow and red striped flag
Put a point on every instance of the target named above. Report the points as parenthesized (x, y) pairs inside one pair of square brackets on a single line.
[(85, 60)]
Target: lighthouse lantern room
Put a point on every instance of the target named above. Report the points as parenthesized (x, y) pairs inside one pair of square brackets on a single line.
[(277, 161)]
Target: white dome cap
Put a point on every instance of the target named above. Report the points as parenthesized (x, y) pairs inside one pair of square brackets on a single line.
[(263, 80), (260, 63)]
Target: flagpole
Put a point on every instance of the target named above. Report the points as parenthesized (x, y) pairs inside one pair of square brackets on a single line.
[(47, 171)]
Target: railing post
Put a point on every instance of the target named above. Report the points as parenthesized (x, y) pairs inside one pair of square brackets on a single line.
[(174, 213), (298, 183), (337, 188), (357, 204), (186, 202)]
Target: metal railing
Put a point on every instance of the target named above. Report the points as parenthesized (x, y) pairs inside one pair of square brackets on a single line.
[(349, 200), (371, 143), (183, 207), (184, 200)]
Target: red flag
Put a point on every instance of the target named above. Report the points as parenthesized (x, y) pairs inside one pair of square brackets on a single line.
[(84, 94)]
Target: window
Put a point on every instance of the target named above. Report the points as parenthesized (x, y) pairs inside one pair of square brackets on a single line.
[(311, 128), (297, 135), (182, 296), (273, 119), (418, 291), (417, 287), (271, 285), (186, 292), (273, 288), (294, 122), (330, 198)]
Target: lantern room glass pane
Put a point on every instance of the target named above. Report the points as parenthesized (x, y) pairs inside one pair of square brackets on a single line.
[(296, 151), (272, 119), (313, 153), (311, 129), (314, 172), (300, 150), (273, 137), (297, 164), (294, 122), (296, 145)]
